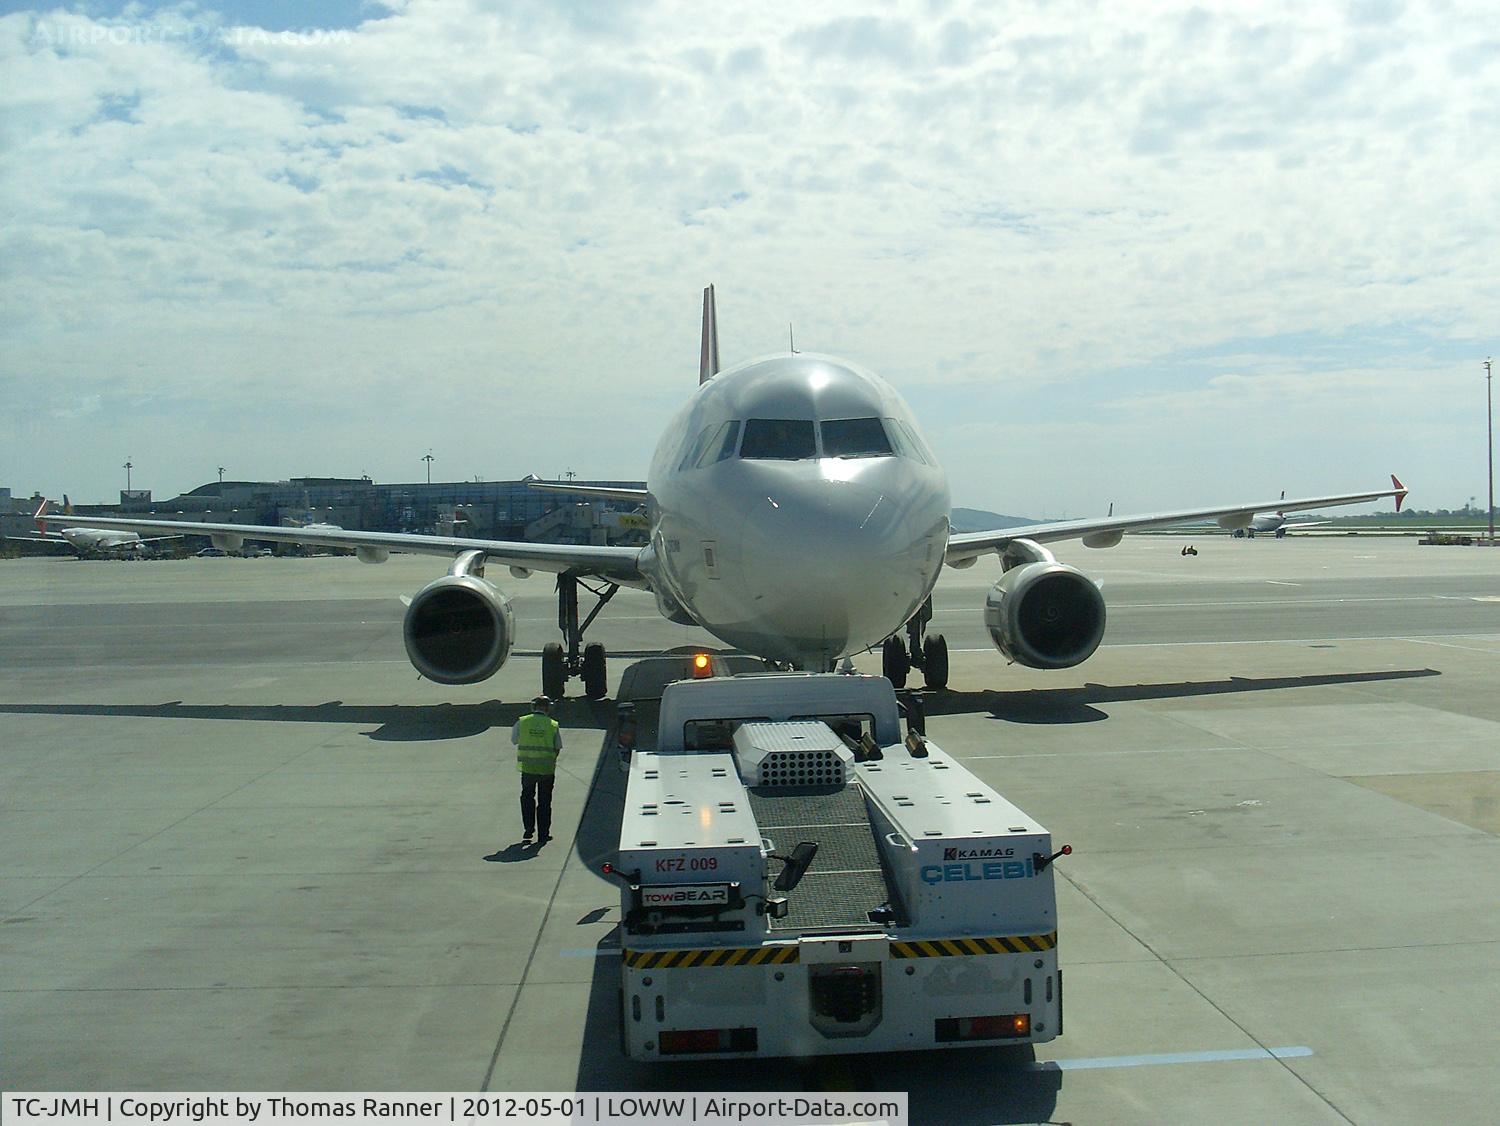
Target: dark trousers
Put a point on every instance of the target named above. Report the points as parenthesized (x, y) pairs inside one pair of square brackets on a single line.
[(536, 803)]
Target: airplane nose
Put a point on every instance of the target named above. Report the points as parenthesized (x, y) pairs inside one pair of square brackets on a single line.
[(835, 565)]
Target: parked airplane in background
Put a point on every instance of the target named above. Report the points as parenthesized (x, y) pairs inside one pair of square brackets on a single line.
[(90, 540), (796, 513), (1273, 522)]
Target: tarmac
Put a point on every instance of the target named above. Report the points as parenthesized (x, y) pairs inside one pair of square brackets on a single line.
[(244, 847)]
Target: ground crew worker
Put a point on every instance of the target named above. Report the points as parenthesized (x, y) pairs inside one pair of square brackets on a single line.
[(538, 742)]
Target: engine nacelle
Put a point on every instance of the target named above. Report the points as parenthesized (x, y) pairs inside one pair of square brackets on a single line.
[(459, 630), (1045, 615)]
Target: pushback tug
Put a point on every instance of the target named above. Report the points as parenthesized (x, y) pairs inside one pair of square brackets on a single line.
[(799, 879)]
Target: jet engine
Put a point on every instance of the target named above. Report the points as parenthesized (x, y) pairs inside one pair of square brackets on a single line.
[(1045, 615), (459, 629)]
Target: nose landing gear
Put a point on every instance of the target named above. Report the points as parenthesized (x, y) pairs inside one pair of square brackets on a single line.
[(917, 650), (589, 664)]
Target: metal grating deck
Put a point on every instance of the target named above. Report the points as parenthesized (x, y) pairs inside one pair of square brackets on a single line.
[(846, 880)]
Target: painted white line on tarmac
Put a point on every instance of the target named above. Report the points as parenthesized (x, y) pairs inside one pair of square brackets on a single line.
[(1277, 602), (1451, 645), (1170, 1058), (1103, 754)]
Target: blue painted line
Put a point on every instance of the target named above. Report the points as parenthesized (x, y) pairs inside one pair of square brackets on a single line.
[(1170, 1057)]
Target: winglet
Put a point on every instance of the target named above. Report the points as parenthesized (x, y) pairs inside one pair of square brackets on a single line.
[(1400, 491), (708, 352), (40, 516)]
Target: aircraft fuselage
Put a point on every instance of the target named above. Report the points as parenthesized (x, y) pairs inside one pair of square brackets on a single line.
[(99, 541)]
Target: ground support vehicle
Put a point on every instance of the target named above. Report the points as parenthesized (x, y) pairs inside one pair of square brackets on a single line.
[(799, 879)]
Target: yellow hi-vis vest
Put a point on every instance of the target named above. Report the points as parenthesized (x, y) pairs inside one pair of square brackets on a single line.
[(536, 753)]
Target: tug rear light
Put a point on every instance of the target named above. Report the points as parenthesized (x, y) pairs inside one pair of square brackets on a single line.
[(702, 666), (1008, 1027)]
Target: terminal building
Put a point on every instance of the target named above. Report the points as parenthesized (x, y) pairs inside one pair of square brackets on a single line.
[(487, 509)]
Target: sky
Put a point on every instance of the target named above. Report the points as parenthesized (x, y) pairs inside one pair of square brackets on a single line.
[(1147, 254)]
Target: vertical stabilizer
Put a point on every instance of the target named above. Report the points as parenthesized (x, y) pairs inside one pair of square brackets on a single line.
[(708, 353)]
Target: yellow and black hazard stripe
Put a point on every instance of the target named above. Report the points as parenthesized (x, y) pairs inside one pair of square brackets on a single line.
[(786, 955), (722, 956), (959, 947)]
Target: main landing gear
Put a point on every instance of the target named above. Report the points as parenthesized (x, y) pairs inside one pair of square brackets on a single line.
[(589, 664), (899, 656)]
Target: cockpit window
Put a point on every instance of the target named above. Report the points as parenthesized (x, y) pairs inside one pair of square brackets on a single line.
[(855, 437), (905, 441), (787, 439), (899, 440), (725, 438), (924, 451), (700, 443)]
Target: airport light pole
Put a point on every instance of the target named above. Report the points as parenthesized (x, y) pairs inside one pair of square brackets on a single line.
[(1489, 445), (221, 474), (428, 460), (128, 466)]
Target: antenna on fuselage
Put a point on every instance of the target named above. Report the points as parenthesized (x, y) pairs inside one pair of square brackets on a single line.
[(708, 352), (791, 343)]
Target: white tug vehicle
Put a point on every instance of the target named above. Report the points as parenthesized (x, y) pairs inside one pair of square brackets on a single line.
[(798, 879)]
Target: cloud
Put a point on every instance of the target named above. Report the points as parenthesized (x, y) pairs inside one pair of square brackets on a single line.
[(416, 213)]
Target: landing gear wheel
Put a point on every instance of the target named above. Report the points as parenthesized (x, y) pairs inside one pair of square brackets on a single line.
[(554, 672), (894, 663), (595, 676), (935, 661)]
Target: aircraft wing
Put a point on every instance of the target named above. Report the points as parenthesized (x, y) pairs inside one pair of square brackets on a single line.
[(605, 492), (1105, 531), (617, 564)]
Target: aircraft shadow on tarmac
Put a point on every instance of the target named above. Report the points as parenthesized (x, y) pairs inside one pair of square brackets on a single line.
[(1077, 705), (431, 722), (396, 723)]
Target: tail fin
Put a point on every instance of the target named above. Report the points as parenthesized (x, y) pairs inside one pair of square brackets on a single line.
[(40, 516), (1400, 491), (67, 505), (708, 353)]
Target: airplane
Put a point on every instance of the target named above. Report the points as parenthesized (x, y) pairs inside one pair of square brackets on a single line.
[(796, 513), (90, 540), (1274, 522)]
